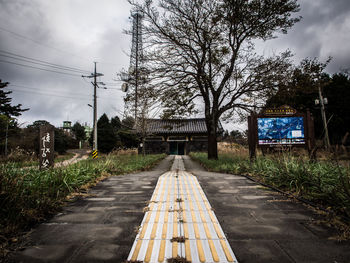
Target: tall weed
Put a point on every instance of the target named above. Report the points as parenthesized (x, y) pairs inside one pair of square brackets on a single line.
[(29, 195), (322, 182)]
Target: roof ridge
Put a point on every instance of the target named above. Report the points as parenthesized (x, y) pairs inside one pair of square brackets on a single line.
[(187, 119)]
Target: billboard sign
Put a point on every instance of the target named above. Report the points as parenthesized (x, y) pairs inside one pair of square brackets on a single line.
[(283, 130)]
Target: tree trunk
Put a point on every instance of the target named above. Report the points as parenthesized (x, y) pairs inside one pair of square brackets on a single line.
[(212, 139), (212, 146)]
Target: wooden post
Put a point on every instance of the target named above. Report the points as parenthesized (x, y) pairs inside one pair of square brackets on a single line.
[(252, 137), (310, 136), (47, 151)]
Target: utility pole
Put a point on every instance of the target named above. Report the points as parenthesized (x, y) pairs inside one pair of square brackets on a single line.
[(324, 119), (322, 101), (94, 75), (94, 146), (136, 63)]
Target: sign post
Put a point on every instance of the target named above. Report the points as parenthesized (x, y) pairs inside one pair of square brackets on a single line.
[(47, 151)]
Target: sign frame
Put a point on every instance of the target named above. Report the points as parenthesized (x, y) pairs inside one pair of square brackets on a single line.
[(284, 111), (279, 145)]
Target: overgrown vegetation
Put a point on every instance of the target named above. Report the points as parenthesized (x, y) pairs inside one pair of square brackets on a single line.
[(27, 196), (20, 158), (323, 182)]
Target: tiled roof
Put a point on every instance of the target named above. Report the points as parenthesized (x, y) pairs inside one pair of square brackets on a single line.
[(176, 126)]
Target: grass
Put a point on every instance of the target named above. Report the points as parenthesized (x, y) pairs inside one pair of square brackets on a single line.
[(27, 196), (324, 182), (26, 160)]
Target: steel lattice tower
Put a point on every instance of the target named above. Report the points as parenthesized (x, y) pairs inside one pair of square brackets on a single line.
[(136, 59)]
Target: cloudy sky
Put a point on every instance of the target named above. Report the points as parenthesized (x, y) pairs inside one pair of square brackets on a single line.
[(75, 33)]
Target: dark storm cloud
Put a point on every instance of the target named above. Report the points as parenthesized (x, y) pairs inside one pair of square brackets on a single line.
[(70, 33), (322, 32), (77, 32)]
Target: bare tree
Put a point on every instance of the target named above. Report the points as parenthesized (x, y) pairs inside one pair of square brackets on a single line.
[(204, 49)]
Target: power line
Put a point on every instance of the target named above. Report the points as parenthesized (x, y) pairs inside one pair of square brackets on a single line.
[(49, 94), (30, 88), (28, 66), (38, 91), (40, 62), (39, 43), (51, 47)]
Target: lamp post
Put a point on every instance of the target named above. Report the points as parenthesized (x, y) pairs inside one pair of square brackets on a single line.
[(322, 101)]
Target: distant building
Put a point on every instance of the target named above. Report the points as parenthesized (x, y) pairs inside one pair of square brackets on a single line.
[(176, 136), (67, 127)]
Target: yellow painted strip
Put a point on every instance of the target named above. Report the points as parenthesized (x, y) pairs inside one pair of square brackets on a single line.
[(161, 254), (165, 229), (154, 229), (200, 250), (143, 231), (175, 234), (226, 251), (175, 249), (161, 251), (211, 215), (213, 250), (149, 251), (188, 251), (206, 229), (201, 214), (186, 230), (148, 215), (205, 225), (137, 250), (196, 231), (218, 232)]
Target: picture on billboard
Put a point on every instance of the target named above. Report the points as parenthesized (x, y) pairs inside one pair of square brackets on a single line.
[(281, 130)]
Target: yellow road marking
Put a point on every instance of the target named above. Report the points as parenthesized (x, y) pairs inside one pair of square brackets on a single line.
[(218, 232), (181, 186), (205, 225), (149, 251), (136, 251), (188, 251), (195, 226), (200, 250), (161, 251), (143, 231), (226, 251), (175, 234)]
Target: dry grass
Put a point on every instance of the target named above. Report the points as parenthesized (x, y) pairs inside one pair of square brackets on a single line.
[(118, 152), (232, 148)]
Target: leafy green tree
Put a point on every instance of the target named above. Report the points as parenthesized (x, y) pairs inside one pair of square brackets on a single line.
[(106, 137), (337, 92), (302, 90), (128, 138), (79, 132), (5, 103), (203, 50), (62, 141), (8, 112), (116, 123), (128, 123)]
